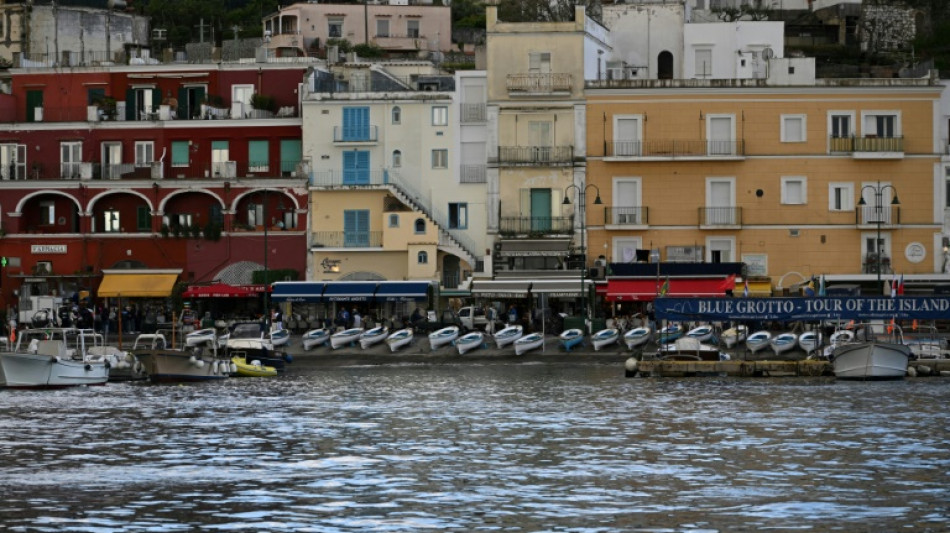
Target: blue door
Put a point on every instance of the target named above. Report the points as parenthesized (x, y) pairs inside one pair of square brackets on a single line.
[(356, 228), (541, 210), (356, 167), (355, 124)]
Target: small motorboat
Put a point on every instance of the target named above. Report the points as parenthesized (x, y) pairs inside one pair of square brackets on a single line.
[(758, 340), (783, 342), (345, 337), (444, 336), (470, 341), (253, 368), (809, 341), (669, 333), (200, 337), (508, 335), (690, 349), (570, 338), (279, 337), (531, 341), (604, 337), (838, 338), (315, 337), (734, 335), (703, 333), (399, 338), (637, 337), (373, 336)]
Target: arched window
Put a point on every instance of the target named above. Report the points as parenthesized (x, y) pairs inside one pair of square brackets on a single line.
[(420, 226), (397, 115), (397, 158), (423, 258)]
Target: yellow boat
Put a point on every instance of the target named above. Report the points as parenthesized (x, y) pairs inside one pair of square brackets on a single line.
[(251, 369)]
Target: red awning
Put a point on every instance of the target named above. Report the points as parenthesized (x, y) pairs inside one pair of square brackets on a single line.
[(632, 290), (219, 290)]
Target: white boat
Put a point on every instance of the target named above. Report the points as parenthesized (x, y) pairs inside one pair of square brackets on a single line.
[(162, 363), (604, 337), (531, 341), (315, 337), (702, 333), (201, 336), (783, 342), (45, 360), (246, 340), (446, 335), (399, 338), (373, 336), (570, 338), (691, 349), (927, 344), (734, 335), (758, 341), (122, 365), (838, 338), (669, 333), (347, 336), (809, 341), (470, 341), (279, 337), (508, 335), (871, 360), (637, 337)]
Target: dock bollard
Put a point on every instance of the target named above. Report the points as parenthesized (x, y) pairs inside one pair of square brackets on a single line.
[(630, 367)]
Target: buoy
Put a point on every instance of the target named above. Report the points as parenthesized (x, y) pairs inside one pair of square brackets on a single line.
[(256, 363), (630, 367)]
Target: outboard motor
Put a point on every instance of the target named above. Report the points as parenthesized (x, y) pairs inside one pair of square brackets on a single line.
[(42, 318)]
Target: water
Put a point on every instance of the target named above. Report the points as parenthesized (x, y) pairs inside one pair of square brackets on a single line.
[(478, 447)]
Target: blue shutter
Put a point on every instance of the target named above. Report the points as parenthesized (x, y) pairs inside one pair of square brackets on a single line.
[(356, 167), (355, 123), (356, 228)]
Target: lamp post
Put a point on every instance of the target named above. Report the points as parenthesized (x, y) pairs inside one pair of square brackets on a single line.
[(879, 215), (265, 209), (581, 193)]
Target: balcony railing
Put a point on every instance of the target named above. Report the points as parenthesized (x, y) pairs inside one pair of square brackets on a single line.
[(473, 174), (159, 170), (885, 215), (871, 264), (866, 144), (379, 83), (675, 148), (626, 216), (50, 113), (347, 239), (474, 113), (540, 83), (720, 216), (510, 226), (355, 134), (535, 155), (340, 178)]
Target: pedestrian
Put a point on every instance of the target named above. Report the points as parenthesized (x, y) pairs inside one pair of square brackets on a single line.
[(357, 319), (512, 315), (278, 319), (490, 320)]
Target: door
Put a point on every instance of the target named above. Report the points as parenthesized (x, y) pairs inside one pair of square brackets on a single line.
[(356, 228), (355, 124), (111, 160), (627, 205), (720, 136), (720, 210), (541, 210), (540, 138), (628, 137), (291, 154), (34, 102), (356, 167)]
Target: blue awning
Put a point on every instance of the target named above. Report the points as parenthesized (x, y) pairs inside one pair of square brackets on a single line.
[(297, 291), (402, 291), (349, 291)]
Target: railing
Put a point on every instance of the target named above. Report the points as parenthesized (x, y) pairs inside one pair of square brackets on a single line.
[(878, 144), (872, 264), (886, 215), (75, 113), (339, 178), (720, 216), (347, 239), (510, 226), (474, 113), (355, 134), (473, 174), (626, 216), (160, 170), (675, 148), (535, 155), (450, 280), (380, 82), (540, 83)]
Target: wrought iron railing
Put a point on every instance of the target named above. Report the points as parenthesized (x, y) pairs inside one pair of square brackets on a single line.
[(511, 226), (675, 148), (347, 239), (626, 216), (720, 216), (535, 155)]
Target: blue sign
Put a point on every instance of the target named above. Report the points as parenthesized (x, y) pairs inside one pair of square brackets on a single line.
[(805, 309)]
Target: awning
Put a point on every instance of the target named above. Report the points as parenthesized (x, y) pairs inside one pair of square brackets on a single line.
[(561, 288), (349, 291), (534, 248), (760, 289), (402, 291), (137, 285), (631, 290), (218, 290), (501, 289), (298, 291)]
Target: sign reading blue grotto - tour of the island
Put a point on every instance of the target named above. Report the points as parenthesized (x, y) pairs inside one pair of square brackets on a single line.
[(794, 309)]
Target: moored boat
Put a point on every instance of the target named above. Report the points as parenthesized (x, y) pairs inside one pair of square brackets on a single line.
[(470, 341), (280, 337), (201, 336), (373, 336), (314, 338), (783, 342), (399, 338), (163, 363), (702, 333), (758, 340), (444, 336), (809, 341), (734, 335), (508, 335), (345, 337), (669, 333), (45, 360), (122, 366), (254, 368), (531, 341), (570, 338), (691, 349), (637, 337), (873, 357), (604, 337)]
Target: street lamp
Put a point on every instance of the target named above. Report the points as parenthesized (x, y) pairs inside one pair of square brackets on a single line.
[(879, 215), (582, 210), (264, 209)]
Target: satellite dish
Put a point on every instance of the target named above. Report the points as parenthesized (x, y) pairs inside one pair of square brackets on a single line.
[(768, 53)]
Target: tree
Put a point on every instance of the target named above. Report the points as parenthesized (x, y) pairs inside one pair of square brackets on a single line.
[(545, 10)]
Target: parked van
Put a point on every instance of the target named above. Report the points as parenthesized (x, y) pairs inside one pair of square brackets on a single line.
[(473, 317)]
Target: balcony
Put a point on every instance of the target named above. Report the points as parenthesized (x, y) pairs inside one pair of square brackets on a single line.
[(869, 215), (109, 114), (401, 43), (535, 155), (474, 113), (355, 134), (674, 149), (869, 147), (356, 178), (873, 265), (540, 84), (626, 216), (720, 216), (346, 239), (535, 226), (473, 174)]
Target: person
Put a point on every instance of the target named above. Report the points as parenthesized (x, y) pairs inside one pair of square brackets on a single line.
[(490, 320), (345, 317), (357, 319), (416, 315), (278, 319), (512, 315), (171, 102)]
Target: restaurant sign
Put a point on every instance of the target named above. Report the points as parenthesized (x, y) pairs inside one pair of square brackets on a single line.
[(805, 309), (48, 249)]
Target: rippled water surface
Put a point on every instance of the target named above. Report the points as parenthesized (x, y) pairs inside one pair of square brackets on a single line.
[(478, 447)]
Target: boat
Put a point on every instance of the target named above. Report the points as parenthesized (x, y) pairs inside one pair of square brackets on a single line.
[(838, 338), (315, 337), (637, 337), (201, 336), (470, 341), (508, 335), (254, 368), (691, 349), (280, 337), (122, 365), (810, 341), (758, 341), (928, 344), (373, 336), (783, 342), (872, 357), (399, 338), (166, 364), (531, 341), (669, 333), (446, 335), (347, 336), (570, 338), (734, 335), (703, 333), (246, 340), (44, 359), (604, 337)]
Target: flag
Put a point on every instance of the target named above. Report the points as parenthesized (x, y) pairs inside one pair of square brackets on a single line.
[(890, 327), (914, 325), (665, 288), (745, 289), (821, 286), (900, 286), (893, 285), (810, 287)]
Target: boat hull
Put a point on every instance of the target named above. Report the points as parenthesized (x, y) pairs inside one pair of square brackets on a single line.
[(527, 343), (368, 339), (40, 371), (399, 339), (508, 336), (871, 360), (604, 338), (173, 366), (571, 338), (344, 338), (636, 337), (443, 336), (315, 338), (249, 369), (469, 342)]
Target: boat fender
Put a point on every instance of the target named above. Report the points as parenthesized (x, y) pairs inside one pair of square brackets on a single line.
[(199, 363), (911, 372), (233, 368), (630, 367), (54, 359), (193, 360), (88, 367), (255, 362), (923, 370)]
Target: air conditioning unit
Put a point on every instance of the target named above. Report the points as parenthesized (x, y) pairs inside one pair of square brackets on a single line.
[(596, 272), (225, 169)]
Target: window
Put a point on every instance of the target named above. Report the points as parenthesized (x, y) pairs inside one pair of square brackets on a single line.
[(793, 128), (627, 135), (393, 220), (841, 125), (255, 215), (47, 213), (840, 196), (110, 222), (412, 29), (703, 58), (182, 220), (70, 157), (794, 191), (180, 153), (355, 124), (13, 161), (440, 115), (335, 28), (220, 160), (422, 257), (625, 249), (397, 115), (356, 227), (257, 156), (382, 27), (539, 62), (144, 153), (397, 158), (143, 219), (419, 226), (719, 250), (720, 130), (440, 158), (627, 208), (356, 167), (458, 216), (882, 124)]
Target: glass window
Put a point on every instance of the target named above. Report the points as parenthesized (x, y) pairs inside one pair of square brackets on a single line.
[(393, 220), (840, 197), (382, 27), (397, 158), (335, 28), (412, 29), (423, 258), (440, 115), (458, 216), (144, 153), (111, 221), (420, 225), (440, 158), (793, 128), (143, 219), (70, 159), (47, 213), (397, 115)]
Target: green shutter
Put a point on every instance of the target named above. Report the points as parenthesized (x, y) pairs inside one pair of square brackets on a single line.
[(258, 155), (143, 220), (179, 153), (291, 152)]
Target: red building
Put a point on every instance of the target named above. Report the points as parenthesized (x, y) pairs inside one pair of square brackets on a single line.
[(197, 167)]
